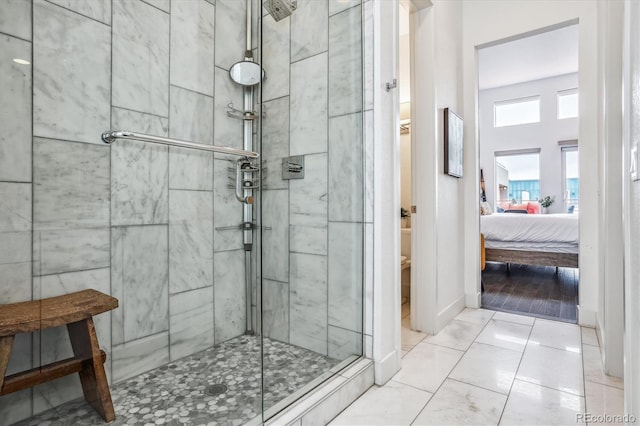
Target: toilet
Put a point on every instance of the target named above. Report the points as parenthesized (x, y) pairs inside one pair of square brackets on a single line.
[(405, 263)]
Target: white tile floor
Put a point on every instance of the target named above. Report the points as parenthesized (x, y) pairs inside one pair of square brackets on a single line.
[(489, 368)]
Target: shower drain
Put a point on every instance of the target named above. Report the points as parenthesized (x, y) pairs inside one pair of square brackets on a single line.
[(215, 390)]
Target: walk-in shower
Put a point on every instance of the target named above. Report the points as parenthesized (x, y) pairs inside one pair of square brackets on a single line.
[(202, 162)]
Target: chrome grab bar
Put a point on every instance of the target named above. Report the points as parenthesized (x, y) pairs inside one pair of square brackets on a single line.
[(110, 136)]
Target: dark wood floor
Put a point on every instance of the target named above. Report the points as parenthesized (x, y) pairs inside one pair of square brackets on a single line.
[(531, 290)]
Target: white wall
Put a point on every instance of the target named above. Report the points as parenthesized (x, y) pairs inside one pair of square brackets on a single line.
[(439, 198), (386, 189), (610, 318), (631, 129), (487, 21), (544, 135)]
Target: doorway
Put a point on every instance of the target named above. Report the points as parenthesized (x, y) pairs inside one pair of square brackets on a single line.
[(528, 132)]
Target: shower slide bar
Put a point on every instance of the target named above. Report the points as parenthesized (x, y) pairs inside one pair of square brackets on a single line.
[(111, 136)]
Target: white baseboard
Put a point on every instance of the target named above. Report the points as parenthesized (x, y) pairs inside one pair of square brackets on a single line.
[(447, 314), (386, 368), (473, 300), (587, 317)]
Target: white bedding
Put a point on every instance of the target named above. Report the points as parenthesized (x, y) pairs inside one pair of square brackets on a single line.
[(530, 228)]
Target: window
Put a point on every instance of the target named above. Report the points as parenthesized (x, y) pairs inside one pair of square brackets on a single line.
[(516, 111), (517, 177), (568, 104), (571, 181)]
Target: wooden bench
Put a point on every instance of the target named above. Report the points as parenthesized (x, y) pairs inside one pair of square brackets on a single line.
[(76, 311)]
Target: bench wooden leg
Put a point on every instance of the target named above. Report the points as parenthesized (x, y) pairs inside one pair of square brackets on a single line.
[(6, 343), (93, 377)]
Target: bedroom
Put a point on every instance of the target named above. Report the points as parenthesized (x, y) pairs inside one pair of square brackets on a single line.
[(528, 131)]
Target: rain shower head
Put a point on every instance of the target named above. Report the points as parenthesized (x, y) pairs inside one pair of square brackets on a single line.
[(280, 9)]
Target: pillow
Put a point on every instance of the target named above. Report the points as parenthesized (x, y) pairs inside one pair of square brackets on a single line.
[(533, 208), (485, 208), (518, 207)]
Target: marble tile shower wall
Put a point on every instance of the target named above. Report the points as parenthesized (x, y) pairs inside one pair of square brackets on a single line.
[(135, 220), (313, 104)]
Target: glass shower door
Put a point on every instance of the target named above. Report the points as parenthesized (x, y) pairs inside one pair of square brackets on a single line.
[(311, 245)]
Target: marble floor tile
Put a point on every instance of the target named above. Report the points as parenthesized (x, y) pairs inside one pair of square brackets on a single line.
[(457, 335), (531, 404), (589, 336), (553, 368), (406, 309), (458, 403), (393, 404), (593, 368), (426, 366), (504, 334), (601, 399), (556, 335), (489, 367), (409, 337), (476, 316), (518, 319)]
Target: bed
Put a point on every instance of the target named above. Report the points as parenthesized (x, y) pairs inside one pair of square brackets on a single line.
[(531, 239)]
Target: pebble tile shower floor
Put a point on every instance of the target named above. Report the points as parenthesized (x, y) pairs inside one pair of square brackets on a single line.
[(176, 394)]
